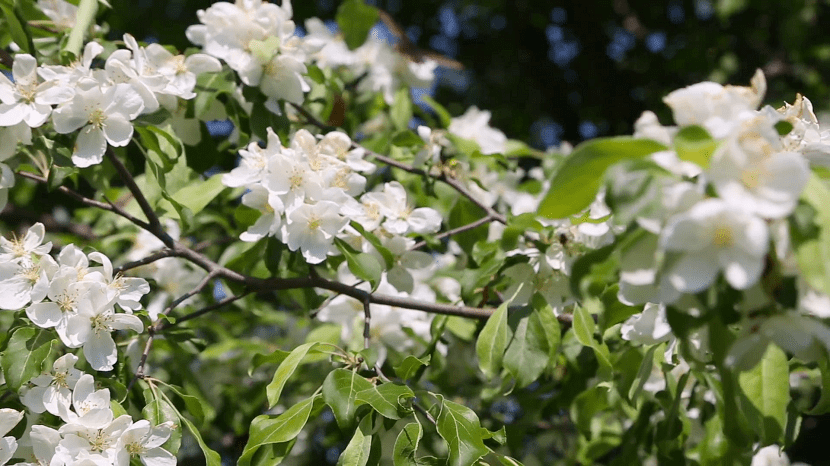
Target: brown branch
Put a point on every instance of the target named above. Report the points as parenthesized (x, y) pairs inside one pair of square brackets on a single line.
[(454, 231), (147, 260), (367, 322), (201, 311), (108, 206), (154, 224)]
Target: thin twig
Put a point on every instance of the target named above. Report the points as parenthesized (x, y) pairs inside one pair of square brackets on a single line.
[(424, 412), (454, 231), (139, 371), (108, 206), (202, 311), (147, 260), (153, 219), (367, 321), (196, 290)]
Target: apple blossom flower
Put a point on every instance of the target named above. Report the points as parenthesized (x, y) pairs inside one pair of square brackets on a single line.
[(99, 442), (311, 228), (716, 107), (144, 441), (750, 170), (104, 117), (474, 125), (127, 291), (43, 445), (26, 99), (92, 325), (648, 327), (52, 392), (61, 12), (25, 249), (713, 236), (179, 70), (22, 283), (401, 218)]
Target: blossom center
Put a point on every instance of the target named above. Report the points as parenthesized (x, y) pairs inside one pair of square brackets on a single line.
[(723, 237), (97, 118), (66, 301), (314, 222)]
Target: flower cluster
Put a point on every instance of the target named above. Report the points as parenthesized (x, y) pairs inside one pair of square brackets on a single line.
[(720, 219), (257, 40), (75, 298), (101, 103), (307, 193), (90, 433), (382, 67)]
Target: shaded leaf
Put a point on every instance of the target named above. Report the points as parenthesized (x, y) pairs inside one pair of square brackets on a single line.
[(576, 183), (269, 429), (406, 445), (387, 399), (340, 390), (460, 427)]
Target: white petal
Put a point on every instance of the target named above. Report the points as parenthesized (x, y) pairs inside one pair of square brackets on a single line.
[(694, 272), (89, 147), (118, 130), (100, 351), (45, 315)]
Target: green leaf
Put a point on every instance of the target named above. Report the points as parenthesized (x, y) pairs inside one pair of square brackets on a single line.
[(197, 195), (18, 28), (285, 370), (159, 411), (460, 427), (24, 355), (410, 366), (587, 405), (584, 326), (355, 19), (195, 406), (578, 179), (269, 429), (406, 445), (813, 254), (84, 19), (694, 144), (401, 111), (767, 387), (363, 265), (340, 391), (823, 404), (387, 399), (211, 457), (550, 324), (359, 449), (443, 114), (388, 257), (273, 453), (646, 367), (528, 355), (492, 342)]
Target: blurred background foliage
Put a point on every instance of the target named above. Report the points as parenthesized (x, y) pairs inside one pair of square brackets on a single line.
[(553, 71)]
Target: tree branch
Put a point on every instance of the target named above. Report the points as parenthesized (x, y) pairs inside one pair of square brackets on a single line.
[(154, 224), (108, 206)]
